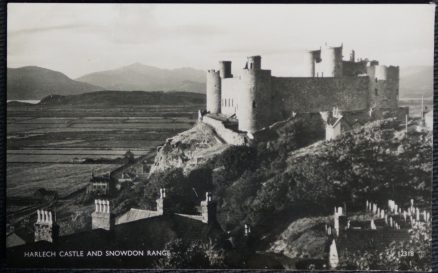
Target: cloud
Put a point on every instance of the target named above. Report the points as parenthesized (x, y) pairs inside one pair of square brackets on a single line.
[(81, 38), (36, 30)]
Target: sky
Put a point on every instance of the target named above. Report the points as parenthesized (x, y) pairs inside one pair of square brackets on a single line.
[(77, 39)]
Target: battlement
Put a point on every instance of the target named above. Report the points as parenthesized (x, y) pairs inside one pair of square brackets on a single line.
[(383, 72), (213, 72)]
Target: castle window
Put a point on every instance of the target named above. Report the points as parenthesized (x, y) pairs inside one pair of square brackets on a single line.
[(376, 79), (253, 104), (376, 91), (232, 102)]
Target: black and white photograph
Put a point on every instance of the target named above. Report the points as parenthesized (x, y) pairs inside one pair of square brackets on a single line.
[(219, 136)]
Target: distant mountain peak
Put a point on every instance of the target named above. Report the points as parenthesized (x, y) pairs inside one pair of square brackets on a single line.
[(138, 65)]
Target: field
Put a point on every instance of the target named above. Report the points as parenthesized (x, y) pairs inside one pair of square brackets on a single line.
[(65, 179), (415, 105), (46, 145)]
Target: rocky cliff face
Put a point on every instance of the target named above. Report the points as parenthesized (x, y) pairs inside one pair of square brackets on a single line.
[(188, 150)]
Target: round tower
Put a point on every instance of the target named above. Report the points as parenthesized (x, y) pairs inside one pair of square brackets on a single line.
[(331, 61), (225, 69), (254, 63), (255, 100), (384, 86), (213, 92)]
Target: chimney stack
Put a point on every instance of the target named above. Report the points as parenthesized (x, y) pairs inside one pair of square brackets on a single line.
[(102, 216), (45, 227), (208, 209), (162, 206), (247, 230)]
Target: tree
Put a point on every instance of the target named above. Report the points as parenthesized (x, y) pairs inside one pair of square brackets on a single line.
[(129, 156), (194, 254), (414, 254)]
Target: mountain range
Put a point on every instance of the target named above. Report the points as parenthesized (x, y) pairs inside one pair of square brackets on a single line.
[(416, 81), (34, 83), (148, 78)]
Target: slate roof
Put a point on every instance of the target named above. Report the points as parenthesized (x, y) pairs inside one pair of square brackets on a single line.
[(135, 215), (13, 239)]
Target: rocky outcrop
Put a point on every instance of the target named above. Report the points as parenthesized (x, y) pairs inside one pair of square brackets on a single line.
[(188, 150), (302, 238)]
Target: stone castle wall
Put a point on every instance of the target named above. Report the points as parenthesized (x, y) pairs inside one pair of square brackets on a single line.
[(229, 102), (303, 95), (228, 135)]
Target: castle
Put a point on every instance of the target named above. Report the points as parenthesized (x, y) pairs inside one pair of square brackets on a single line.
[(256, 99)]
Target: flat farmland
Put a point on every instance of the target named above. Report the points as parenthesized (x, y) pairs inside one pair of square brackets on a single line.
[(414, 105), (24, 179), (46, 144)]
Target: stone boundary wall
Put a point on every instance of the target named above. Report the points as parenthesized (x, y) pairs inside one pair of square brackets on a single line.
[(228, 135)]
